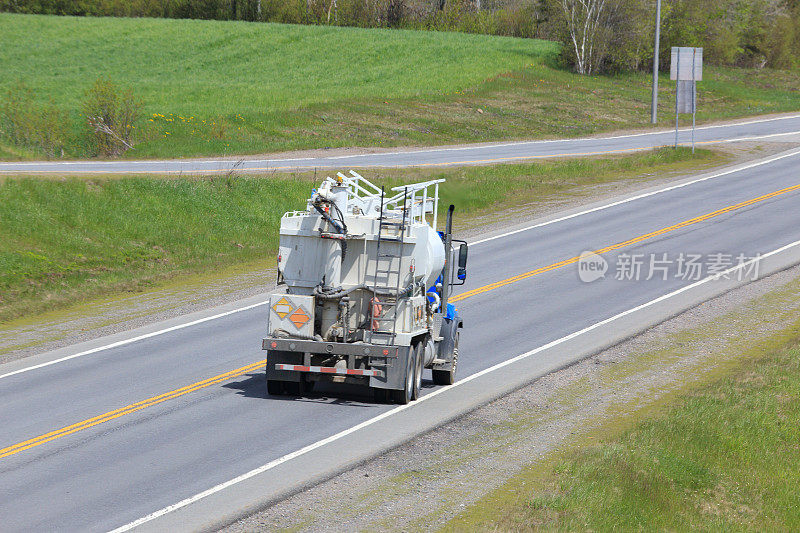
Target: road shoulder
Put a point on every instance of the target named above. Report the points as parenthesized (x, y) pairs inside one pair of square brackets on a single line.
[(434, 477)]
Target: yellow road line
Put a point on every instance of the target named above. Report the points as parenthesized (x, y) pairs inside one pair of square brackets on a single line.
[(640, 238), (111, 415)]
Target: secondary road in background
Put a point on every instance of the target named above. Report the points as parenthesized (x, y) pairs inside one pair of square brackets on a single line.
[(167, 417), (770, 128)]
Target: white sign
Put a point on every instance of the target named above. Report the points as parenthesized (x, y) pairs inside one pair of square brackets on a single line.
[(687, 64)]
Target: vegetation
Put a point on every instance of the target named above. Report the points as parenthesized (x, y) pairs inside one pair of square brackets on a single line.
[(751, 33), (617, 35), (722, 458), (236, 88), (110, 117), (31, 124), (67, 240), (215, 87)]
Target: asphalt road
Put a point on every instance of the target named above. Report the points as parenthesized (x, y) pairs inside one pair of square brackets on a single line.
[(65, 467), (469, 154)]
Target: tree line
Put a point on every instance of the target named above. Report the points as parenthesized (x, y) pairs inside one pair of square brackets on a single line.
[(598, 35)]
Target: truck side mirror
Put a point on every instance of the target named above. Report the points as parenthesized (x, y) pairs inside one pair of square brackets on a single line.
[(462, 257), (462, 274)]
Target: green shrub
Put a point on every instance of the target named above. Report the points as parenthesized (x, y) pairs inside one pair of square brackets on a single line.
[(111, 113), (27, 124)]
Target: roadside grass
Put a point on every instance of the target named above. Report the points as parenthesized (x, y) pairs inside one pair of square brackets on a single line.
[(225, 88), (64, 241), (724, 457)]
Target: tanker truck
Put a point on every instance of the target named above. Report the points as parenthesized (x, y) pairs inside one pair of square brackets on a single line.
[(367, 279)]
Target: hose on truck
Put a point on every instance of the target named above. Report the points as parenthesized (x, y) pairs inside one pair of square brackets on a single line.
[(340, 228), (334, 293), (283, 334)]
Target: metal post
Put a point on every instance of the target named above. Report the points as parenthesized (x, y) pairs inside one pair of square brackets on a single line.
[(694, 94), (677, 92), (654, 103)]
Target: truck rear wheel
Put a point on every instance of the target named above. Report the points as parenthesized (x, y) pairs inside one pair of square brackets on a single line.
[(448, 377), (274, 387), (406, 395), (419, 359), (381, 395)]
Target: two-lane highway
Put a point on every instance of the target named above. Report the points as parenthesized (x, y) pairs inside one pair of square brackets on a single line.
[(96, 442), (476, 154)]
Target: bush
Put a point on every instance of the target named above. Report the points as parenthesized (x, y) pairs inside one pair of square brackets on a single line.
[(111, 114), (28, 124)]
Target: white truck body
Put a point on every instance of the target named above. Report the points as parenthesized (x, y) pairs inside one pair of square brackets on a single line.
[(362, 298)]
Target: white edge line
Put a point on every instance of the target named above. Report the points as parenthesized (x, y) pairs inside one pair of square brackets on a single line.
[(296, 164), (561, 219), (132, 339), (341, 434), (638, 197), (420, 151)]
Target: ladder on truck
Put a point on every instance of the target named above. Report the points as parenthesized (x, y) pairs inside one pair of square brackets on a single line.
[(387, 264)]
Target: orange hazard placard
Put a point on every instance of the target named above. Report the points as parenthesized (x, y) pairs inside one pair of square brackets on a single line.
[(299, 318)]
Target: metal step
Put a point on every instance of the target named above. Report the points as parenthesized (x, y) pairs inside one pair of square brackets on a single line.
[(390, 239)]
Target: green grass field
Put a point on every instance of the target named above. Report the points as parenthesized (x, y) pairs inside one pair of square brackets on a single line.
[(724, 457), (68, 240), (204, 82), (205, 68), (224, 88)]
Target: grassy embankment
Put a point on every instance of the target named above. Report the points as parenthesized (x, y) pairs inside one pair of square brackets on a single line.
[(212, 87), (68, 240), (722, 457)]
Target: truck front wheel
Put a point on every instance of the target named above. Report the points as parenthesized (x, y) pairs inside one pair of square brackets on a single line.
[(448, 377)]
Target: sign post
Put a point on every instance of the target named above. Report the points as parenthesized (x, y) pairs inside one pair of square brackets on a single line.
[(686, 69)]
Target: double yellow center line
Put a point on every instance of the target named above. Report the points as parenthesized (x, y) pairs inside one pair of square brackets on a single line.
[(132, 408), (117, 413), (635, 240)]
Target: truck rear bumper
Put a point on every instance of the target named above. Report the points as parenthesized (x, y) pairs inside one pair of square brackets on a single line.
[(379, 366), (330, 370)]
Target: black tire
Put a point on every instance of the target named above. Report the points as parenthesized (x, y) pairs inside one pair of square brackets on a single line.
[(406, 395), (292, 388), (381, 395), (419, 358), (448, 377), (274, 387)]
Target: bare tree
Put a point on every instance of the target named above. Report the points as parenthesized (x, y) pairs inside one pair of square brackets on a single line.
[(583, 22), (332, 7)]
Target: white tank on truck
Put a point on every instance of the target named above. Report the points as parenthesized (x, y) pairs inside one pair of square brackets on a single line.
[(367, 279)]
